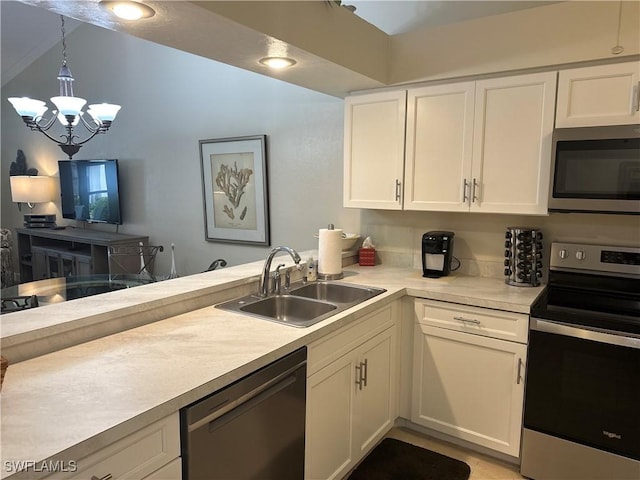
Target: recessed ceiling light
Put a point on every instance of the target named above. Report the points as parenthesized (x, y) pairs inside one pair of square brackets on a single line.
[(277, 62), (128, 10)]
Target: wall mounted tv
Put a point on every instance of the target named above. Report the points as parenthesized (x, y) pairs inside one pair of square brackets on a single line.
[(89, 190)]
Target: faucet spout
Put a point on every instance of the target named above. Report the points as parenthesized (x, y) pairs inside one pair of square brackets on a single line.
[(263, 288)]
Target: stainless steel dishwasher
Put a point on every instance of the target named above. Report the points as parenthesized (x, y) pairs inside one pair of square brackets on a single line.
[(252, 429)]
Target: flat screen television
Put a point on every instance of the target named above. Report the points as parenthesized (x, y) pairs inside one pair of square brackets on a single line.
[(89, 190)]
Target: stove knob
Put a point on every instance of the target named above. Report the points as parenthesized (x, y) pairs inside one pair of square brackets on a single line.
[(507, 235), (563, 254), (507, 253), (580, 255), (538, 274), (507, 272), (507, 262), (507, 244)]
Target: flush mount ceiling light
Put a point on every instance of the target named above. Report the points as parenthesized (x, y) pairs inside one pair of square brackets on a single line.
[(277, 63), (69, 111), (128, 10)]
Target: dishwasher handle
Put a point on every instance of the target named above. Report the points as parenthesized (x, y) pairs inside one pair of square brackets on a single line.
[(265, 390)]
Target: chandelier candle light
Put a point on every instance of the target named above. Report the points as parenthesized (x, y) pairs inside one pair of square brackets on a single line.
[(69, 111)]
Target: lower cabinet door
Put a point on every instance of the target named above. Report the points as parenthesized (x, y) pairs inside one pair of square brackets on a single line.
[(469, 387), (328, 448), (374, 400)]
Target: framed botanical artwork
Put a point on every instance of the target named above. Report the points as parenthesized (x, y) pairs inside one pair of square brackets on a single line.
[(234, 187)]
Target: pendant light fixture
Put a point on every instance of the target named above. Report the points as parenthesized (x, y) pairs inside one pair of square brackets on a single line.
[(69, 111)]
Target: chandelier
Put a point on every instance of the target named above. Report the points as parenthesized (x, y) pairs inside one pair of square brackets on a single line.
[(69, 111)]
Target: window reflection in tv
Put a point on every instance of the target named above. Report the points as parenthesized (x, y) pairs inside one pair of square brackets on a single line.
[(89, 190)]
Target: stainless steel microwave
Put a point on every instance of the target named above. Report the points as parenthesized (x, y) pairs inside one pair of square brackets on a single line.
[(596, 169)]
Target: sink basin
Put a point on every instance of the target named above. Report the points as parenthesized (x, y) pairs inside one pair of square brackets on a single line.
[(336, 292), (288, 309), (304, 305)]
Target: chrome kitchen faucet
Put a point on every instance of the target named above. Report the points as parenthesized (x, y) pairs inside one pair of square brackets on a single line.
[(263, 289)]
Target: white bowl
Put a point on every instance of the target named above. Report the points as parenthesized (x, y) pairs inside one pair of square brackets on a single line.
[(349, 240)]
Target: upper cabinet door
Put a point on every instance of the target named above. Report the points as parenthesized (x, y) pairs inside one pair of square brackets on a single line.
[(374, 150), (512, 144), (596, 96), (438, 147)]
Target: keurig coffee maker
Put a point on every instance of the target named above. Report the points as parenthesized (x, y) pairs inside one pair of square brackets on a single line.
[(437, 252)]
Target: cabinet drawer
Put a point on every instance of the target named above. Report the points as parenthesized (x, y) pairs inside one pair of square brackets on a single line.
[(136, 456), (333, 346), (480, 321)]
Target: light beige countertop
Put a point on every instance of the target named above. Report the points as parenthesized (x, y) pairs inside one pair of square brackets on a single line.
[(66, 404)]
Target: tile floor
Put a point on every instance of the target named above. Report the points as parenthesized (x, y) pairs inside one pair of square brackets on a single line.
[(482, 466)]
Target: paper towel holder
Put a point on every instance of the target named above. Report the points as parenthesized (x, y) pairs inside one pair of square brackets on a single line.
[(330, 276)]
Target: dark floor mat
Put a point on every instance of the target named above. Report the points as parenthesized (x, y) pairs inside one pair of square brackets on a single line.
[(396, 460)]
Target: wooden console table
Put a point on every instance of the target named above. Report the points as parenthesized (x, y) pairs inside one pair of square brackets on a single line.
[(49, 253)]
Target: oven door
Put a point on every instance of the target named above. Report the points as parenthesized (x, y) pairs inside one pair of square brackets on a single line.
[(584, 386)]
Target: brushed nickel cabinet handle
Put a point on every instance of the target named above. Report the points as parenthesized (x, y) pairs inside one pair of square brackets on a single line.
[(360, 379), (464, 191), (519, 378), (364, 368), (474, 196), (398, 190), (638, 97), (467, 320)]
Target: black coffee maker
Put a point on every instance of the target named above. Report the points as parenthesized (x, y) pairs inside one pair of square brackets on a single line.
[(437, 252)]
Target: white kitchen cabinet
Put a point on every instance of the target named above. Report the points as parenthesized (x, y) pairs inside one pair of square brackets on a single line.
[(466, 385), (150, 453), (513, 126), (439, 147), (598, 96), (374, 150), (351, 401), (480, 146)]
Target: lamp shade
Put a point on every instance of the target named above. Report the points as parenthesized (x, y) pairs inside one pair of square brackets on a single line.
[(28, 107), (104, 112), (31, 189), (69, 105)]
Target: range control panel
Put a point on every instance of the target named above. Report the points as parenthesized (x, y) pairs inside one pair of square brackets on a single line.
[(596, 258)]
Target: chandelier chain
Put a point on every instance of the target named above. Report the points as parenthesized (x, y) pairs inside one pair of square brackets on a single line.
[(64, 41)]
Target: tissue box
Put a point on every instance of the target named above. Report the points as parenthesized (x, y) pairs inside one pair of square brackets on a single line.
[(367, 257)]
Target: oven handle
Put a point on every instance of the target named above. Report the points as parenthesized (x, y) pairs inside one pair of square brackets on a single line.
[(584, 333)]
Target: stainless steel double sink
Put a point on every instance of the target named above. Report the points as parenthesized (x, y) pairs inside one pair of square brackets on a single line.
[(303, 304)]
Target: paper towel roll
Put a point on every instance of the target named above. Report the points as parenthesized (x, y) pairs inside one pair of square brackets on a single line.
[(329, 252)]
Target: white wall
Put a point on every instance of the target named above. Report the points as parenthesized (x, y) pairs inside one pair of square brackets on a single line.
[(171, 100), (555, 34)]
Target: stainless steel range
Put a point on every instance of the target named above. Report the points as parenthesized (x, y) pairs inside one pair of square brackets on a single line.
[(582, 398)]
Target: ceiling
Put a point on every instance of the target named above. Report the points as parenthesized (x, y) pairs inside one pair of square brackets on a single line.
[(31, 27)]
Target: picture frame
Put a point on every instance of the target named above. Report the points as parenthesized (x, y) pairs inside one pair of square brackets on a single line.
[(235, 189)]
